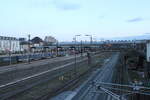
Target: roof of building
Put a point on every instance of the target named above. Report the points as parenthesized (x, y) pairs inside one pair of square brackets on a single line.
[(7, 38), (36, 40)]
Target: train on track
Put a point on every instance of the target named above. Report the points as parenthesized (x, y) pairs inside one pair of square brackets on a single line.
[(25, 57)]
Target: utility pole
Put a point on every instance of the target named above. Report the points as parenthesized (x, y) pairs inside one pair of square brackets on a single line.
[(10, 50), (81, 49), (57, 49), (91, 39), (75, 54), (75, 57), (29, 48)]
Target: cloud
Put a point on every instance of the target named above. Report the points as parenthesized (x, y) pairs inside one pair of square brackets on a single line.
[(138, 19), (64, 5)]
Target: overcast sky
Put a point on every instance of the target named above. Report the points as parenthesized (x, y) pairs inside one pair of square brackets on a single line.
[(65, 18)]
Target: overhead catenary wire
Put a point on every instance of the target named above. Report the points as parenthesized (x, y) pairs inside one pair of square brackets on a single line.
[(122, 85), (123, 90), (139, 92)]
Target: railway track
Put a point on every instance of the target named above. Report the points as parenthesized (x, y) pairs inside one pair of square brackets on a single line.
[(105, 74), (29, 82), (12, 89), (71, 84), (10, 74)]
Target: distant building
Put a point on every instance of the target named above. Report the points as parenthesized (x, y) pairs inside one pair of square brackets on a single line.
[(22, 39), (9, 44), (49, 40), (24, 45), (37, 42)]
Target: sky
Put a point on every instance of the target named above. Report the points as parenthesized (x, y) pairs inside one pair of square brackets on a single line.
[(64, 19)]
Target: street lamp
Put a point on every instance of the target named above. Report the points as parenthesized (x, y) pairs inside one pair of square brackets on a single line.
[(75, 54), (91, 39)]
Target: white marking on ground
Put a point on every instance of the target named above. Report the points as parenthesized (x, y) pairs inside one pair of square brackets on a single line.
[(40, 73)]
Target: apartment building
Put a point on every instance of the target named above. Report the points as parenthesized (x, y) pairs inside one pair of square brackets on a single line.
[(8, 44)]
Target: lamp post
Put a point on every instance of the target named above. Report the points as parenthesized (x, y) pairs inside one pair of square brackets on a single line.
[(75, 54), (91, 39)]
